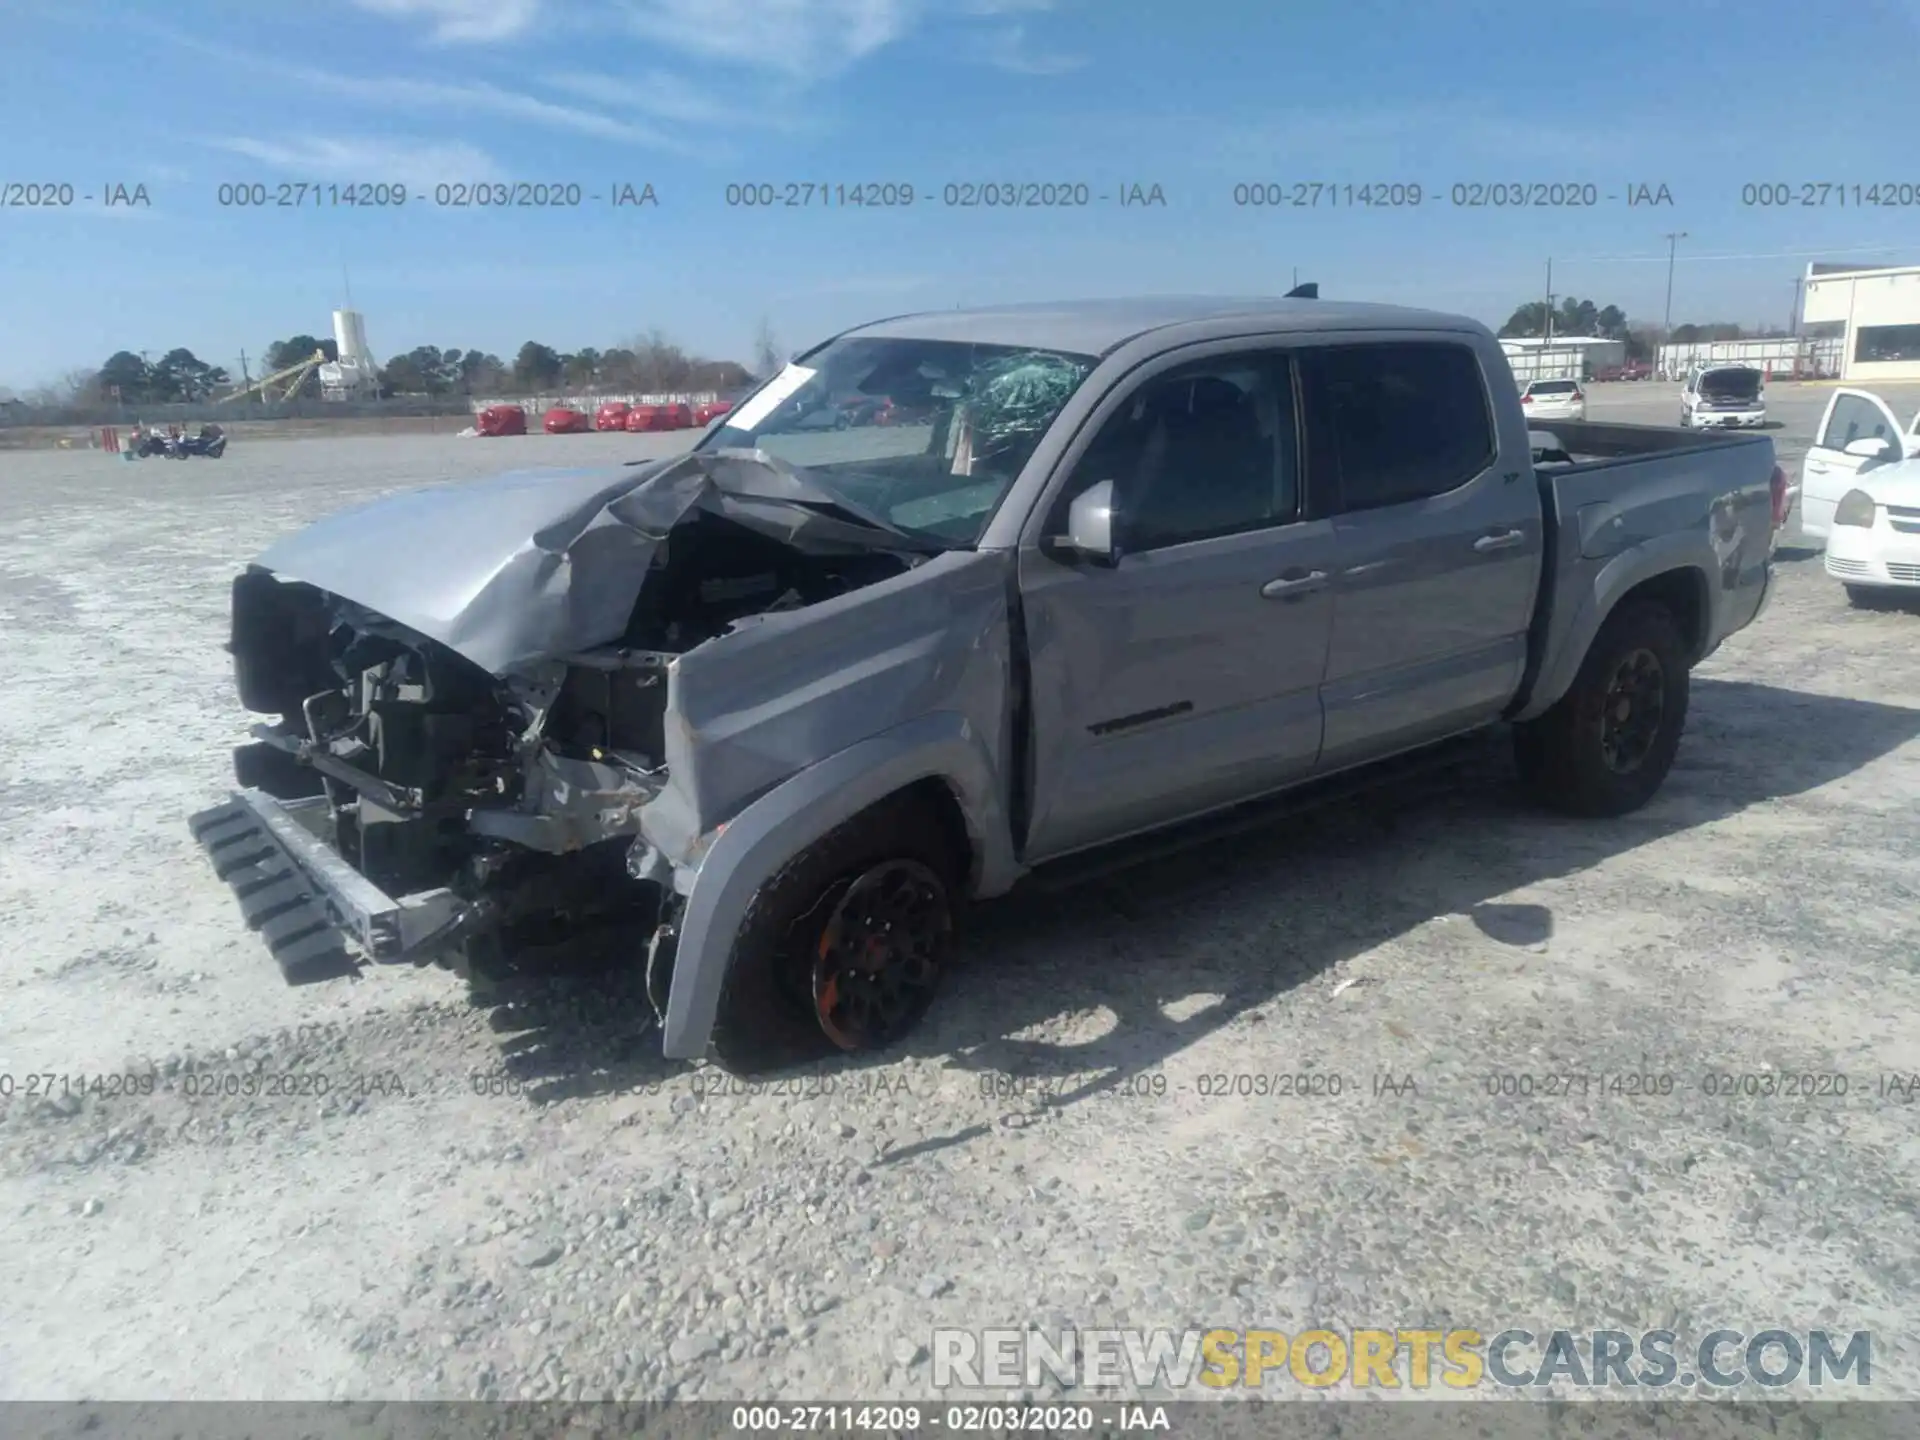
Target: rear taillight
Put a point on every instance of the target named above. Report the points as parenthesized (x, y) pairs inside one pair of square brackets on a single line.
[(1526, 399), (1580, 395), (1779, 489)]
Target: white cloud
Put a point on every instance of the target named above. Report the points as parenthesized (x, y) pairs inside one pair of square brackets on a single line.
[(417, 166), (459, 21), (1006, 49), (450, 98), (450, 101), (657, 93), (806, 39)]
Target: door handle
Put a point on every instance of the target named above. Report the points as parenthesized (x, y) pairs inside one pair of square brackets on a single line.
[(1499, 540), (1286, 588)]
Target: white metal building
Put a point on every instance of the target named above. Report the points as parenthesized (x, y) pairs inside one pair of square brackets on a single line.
[(1877, 314), (1780, 359), (1534, 357)]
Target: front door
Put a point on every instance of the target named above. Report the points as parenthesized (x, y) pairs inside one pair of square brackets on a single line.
[(1185, 677), (1829, 471), (1438, 545)]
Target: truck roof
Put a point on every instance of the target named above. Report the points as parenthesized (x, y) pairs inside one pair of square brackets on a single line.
[(1097, 327)]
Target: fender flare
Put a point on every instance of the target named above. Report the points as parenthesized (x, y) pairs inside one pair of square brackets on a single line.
[(751, 847), (1621, 573)]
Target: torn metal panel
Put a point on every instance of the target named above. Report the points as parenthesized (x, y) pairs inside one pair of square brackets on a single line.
[(513, 570), (750, 709), (571, 804)]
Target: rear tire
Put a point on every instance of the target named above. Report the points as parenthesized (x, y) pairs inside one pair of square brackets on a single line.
[(785, 987), (1606, 746)]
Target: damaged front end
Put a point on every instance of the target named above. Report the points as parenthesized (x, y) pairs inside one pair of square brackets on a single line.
[(468, 688)]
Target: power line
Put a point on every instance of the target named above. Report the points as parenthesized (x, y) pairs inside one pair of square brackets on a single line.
[(1661, 258)]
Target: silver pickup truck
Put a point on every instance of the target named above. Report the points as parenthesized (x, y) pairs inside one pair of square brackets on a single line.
[(952, 598)]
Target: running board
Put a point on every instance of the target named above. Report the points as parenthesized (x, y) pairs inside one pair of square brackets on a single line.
[(1428, 761)]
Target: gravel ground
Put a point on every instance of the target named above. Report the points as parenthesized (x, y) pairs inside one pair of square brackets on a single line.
[(511, 1195)]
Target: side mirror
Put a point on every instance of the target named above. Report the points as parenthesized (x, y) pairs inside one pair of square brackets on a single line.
[(1090, 528), (1874, 447)]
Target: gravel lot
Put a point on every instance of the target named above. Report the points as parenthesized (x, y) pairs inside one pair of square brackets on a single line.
[(514, 1196)]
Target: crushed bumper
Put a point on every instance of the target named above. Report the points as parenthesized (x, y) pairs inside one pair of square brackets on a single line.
[(304, 899)]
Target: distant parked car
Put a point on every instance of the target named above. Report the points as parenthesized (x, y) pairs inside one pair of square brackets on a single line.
[(868, 410), (612, 415), (672, 416), (564, 421), (708, 411), (1729, 396), (501, 420), (1554, 400)]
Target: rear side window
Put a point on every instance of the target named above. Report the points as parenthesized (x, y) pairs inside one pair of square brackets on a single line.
[(1403, 421)]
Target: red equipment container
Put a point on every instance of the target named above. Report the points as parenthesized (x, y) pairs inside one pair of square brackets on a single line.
[(562, 421), (611, 416), (703, 413), (501, 420)]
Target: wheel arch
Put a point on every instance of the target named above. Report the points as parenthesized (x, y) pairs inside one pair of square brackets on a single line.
[(937, 759), (1669, 577)]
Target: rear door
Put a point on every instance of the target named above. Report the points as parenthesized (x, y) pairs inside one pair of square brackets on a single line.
[(1438, 544), (1829, 472), (1187, 676)]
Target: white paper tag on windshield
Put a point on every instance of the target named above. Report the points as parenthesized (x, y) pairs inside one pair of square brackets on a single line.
[(775, 393)]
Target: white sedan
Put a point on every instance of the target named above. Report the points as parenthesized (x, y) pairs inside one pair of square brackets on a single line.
[(1554, 400), (1860, 492)]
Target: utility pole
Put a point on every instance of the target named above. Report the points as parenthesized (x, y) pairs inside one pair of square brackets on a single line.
[(1548, 333), (1793, 316), (1673, 242)]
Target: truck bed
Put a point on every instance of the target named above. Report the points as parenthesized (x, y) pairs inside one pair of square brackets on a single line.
[(1615, 498), (1592, 445)]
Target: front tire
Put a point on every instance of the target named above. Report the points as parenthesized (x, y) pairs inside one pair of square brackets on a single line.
[(1866, 597), (1606, 746), (842, 949)]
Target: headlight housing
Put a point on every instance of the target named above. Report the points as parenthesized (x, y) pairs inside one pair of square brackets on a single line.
[(1856, 508)]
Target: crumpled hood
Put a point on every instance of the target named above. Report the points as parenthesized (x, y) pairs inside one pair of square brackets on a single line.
[(538, 563)]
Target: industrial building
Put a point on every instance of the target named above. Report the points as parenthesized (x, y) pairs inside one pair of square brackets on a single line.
[(354, 375), (1572, 356), (1783, 358), (1875, 315)]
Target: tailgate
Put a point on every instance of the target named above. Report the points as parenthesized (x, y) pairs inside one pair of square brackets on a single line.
[(303, 898)]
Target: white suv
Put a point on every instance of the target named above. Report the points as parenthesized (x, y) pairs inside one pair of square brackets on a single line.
[(1723, 395), (1554, 400)]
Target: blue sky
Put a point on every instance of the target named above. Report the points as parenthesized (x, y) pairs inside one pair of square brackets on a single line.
[(691, 95)]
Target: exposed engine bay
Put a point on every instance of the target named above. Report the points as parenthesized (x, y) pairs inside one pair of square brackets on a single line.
[(513, 796)]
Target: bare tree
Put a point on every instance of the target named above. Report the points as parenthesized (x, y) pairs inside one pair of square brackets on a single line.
[(768, 356)]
